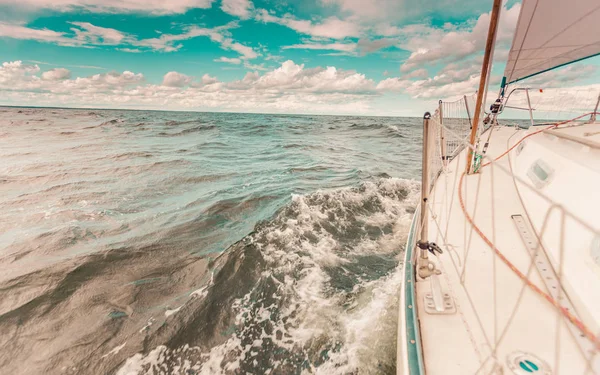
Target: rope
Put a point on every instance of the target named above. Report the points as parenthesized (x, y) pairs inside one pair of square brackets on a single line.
[(537, 132), (565, 312)]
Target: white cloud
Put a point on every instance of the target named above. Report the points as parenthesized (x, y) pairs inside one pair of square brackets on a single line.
[(291, 76), (438, 87), (56, 74), (419, 73), (208, 80), (559, 77), (43, 35), (113, 6), (344, 47), (368, 9), (247, 65), (228, 60), (239, 8), (432, 45), (130, 50), (87, 34), (174, 79), (372, 45), (288, 88), (15, 74), (91, 34), (331, 27)]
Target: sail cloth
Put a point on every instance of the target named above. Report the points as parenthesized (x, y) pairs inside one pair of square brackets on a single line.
[(552, 33)]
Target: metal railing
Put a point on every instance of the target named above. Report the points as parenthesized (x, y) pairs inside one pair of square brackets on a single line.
[(445, 135)]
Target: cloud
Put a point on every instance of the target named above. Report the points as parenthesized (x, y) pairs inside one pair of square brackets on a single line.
[(56, 74), (291, 76), (239, 8), (42, 35), (17, 74), (290, 87), (437, 87), (130, 50), (368, 9), (68, 66), (447, 44), (372, 45), (331, 27), (87, 34), (565, 75), (419, 73), (113, 6), (174, 79), (344, 47), (208, 80), (91, 34), (228, 60)]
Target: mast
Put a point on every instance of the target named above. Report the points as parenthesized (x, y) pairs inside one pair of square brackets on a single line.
[(485, 69)]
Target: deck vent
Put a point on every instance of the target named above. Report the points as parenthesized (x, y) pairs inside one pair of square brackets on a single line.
[(521, 363)]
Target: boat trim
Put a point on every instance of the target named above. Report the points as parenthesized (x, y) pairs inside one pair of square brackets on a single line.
[(410, 352)]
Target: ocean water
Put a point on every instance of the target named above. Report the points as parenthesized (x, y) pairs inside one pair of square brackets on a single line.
[(142, 242)]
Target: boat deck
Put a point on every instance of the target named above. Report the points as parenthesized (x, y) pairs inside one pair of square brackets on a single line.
[(492, 323)]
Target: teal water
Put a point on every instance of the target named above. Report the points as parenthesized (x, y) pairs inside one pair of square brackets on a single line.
[(202, 243)]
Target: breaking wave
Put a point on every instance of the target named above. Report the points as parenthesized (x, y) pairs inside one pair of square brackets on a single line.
[(314, 290)]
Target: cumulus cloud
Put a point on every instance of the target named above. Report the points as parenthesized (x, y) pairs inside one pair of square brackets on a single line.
[(290, 87), (174, 79), (15, 73), (56, 74), (239, 8), (419, 73), (559, 77), (113, 6), (209, 80), (430, 45)]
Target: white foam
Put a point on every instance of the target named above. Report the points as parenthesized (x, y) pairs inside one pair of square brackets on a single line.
[(168, 313), (299, 251), (115, 350)]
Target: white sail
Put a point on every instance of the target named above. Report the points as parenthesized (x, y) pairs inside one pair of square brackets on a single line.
[(551, 33)]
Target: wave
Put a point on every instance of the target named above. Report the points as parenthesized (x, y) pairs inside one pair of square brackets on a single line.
[(106, 123), (312, 289), (173, 122)]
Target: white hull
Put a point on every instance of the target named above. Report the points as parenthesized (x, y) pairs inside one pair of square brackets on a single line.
[(488, 320)]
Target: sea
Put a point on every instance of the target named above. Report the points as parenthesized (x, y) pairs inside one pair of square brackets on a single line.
[(155, 242)]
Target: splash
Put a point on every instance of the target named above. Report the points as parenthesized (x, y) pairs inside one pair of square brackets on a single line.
[(325, 301)]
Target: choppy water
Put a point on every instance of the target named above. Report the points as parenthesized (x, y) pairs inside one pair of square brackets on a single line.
[(198, 243)]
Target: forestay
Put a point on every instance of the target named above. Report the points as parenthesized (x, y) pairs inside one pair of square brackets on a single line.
[(552, 33)]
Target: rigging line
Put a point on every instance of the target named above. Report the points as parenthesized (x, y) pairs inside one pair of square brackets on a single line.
[(509, 78), (578, 323), (535, 63), (555, 125), (531, 187), (539, 247), (449, 246)]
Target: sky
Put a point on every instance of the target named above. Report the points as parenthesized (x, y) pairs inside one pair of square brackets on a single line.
[(363, 57)]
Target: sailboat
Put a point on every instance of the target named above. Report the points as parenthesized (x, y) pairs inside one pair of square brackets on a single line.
[(502, 263)]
